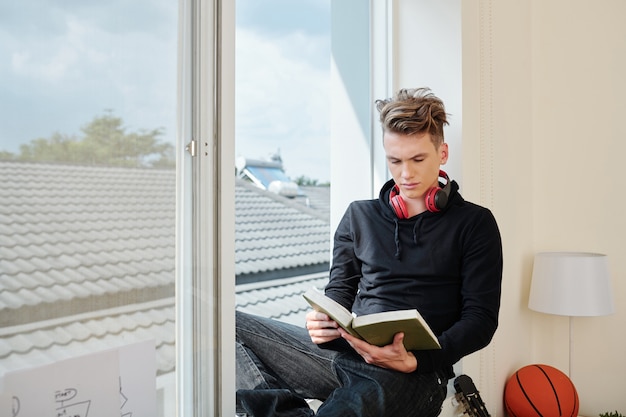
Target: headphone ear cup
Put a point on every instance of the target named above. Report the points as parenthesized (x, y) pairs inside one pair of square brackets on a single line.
[(441, 198), (433, 199), (437, 198), (398, 205)]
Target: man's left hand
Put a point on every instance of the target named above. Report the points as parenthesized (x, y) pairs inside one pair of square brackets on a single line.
[(393, 356)]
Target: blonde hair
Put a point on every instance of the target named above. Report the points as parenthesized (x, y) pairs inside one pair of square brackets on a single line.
[(414, 110)]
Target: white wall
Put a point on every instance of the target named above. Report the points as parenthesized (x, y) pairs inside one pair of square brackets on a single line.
[(351, 103), (427, 53)]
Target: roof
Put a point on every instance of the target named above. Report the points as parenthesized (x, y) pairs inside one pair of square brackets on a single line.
[(281, 299), (41, 343), (276, 236), (75, 238), (317, 198), (87, 258)]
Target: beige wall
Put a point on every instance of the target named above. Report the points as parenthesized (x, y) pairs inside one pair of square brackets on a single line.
[(544, 137)]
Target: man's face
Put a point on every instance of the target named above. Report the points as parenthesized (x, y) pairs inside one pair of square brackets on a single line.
[(414, 162)]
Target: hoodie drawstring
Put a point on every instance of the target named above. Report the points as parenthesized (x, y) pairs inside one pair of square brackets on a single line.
[(396, 236), (418, 223)]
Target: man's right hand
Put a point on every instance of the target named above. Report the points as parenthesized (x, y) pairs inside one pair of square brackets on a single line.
[(321, 328)]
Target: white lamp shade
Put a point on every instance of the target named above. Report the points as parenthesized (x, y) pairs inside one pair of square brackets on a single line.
[(571, 284)]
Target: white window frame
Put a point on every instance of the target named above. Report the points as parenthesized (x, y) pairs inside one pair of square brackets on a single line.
[(205, 261)]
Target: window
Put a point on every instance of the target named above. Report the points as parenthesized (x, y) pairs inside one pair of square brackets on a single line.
[(87, 164)]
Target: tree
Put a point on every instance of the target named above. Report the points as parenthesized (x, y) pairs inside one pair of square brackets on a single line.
[(303, 180), (59, 148), (104, 141)]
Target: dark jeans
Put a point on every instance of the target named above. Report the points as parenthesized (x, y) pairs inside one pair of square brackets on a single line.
[(278, 367)]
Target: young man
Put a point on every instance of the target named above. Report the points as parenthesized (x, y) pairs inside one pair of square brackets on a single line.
[(419, 245)]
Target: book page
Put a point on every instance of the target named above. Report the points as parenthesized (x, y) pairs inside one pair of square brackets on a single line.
[(320, 302), (380, 328)]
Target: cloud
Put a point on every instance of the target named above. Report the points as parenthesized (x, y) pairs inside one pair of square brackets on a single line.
[(60, 60), (282, 101), (276, 18), (67, 62)]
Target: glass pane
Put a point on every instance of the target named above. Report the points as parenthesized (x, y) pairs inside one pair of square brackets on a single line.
[(282, 79), (282, 122), (87, 183)]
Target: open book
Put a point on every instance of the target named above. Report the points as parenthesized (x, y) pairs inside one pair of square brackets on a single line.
[(377, 328)]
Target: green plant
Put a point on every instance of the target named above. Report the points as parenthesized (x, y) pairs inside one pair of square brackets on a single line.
[(615, 414)]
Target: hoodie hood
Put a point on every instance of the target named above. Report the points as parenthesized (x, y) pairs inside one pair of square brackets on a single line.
[(416, 221)]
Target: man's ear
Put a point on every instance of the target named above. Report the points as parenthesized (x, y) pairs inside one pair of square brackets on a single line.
[(443, 153)]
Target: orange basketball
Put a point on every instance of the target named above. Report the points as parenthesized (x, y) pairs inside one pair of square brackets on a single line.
[(540, 391)]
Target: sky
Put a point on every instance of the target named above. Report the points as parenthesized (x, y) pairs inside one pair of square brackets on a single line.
[(282, 83), (65, 62)]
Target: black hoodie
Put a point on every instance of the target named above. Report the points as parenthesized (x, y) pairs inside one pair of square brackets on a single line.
[(447, 265)]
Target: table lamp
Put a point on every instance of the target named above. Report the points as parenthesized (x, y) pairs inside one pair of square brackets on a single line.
[(571, 284)]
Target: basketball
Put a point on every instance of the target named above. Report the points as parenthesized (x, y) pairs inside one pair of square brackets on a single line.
[(540, 391)]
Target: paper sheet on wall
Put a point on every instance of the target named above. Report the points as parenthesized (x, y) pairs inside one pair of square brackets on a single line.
[(6, 405), (84, 386), (138, 380), (116, 382)]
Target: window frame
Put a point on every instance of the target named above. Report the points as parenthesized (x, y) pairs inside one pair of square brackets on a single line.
[(205, 261)]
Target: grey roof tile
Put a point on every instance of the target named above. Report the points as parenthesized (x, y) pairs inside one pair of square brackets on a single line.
[(280, 299), (72, 234), (10, 300)]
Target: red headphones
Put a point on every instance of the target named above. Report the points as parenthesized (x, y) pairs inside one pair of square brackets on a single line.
[(436, 198)]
